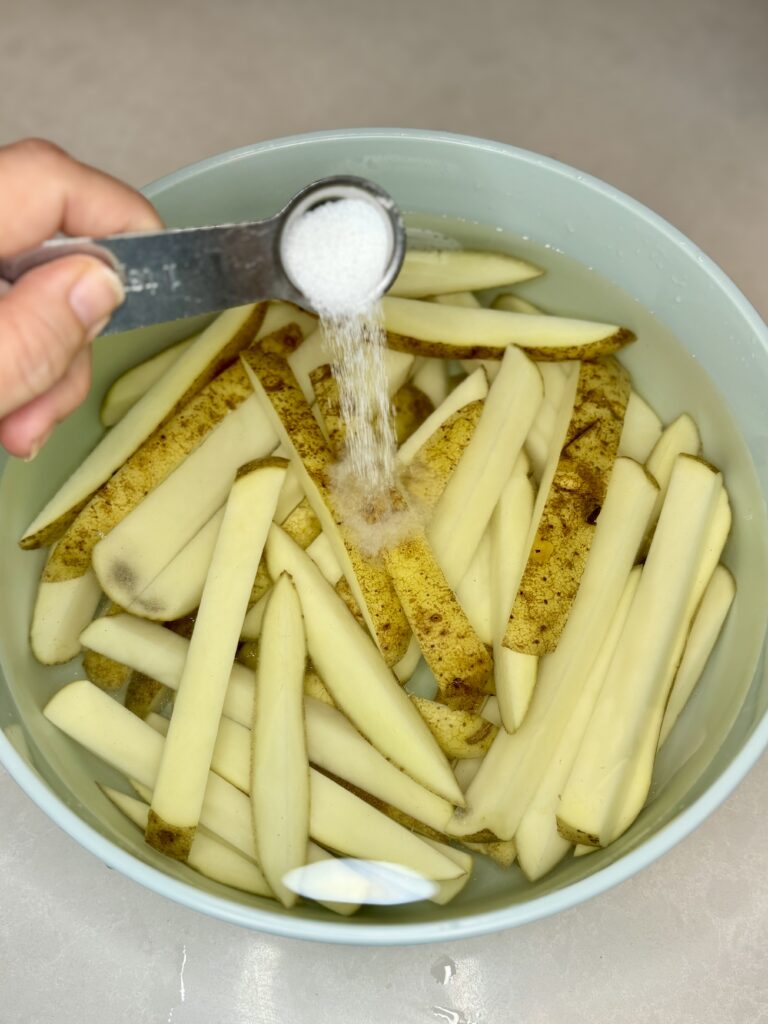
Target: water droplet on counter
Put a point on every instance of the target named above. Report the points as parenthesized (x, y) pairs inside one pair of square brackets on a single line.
[(443, 971), (449, 1016), (569, 227)]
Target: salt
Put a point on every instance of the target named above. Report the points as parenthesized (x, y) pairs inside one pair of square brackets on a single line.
[(337, 254)]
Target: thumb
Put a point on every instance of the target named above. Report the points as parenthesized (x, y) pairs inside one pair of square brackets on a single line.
[(46, 317)]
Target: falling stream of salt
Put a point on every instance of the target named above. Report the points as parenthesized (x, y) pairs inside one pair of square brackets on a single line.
[(337, 254)]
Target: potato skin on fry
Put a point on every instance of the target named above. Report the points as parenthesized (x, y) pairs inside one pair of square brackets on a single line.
[(559, 551), (544, 354)]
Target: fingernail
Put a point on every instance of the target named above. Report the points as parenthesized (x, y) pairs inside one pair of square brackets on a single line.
[(37, 444), (94, 296)]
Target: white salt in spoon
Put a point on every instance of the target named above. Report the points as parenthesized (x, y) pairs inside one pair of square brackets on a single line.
[(184, 272)]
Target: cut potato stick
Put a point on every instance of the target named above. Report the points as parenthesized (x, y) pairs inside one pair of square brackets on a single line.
[(180, 788), (151, 464), (456, 655), (460, 734), (407, 665), (486, 465), (514, 675), (512, 769), (279, 763), (544, 433), (61, 613), (452, 332), (176, 591), (327, 396), (321, 553), (514, 304), (539, 844), (136, 551), (341, 821), (564, 533), (343, 654), (509, 530), (428, 472), (215, 348), (411, 407), (130, 386), (642, 429), (430, 376), (315, 687), (474, 591), (611, 775), (680, 437), (314, 352), (705, 629), (296, 427), (105, 673), (207, 855), (279, 314), (145, 696), (466, 299), (472, 389), (502, 853), (431, 272)]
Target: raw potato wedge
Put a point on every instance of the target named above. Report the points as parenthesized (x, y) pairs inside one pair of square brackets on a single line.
[(314, 352), (514, 675), (432, 272), (145, 696), (705, 629), (611, 775), (279, 762), (474, 592), (177, 590), (343, 654), (411, 407), (129, 387), (461, 734), (279, 314), (327, 396), (105, 673), (428, 472), (139, 548), (180, 788), (567, 525), (539, 845), (642, 429), (152, 463), (296, 427), (511, 771), (514, 304), (208, 855), (453, 332), (216, 347), (485, 465), (680, 437), (61, 613), (472, 389), (456, 655), (466, 299), (430, 376)]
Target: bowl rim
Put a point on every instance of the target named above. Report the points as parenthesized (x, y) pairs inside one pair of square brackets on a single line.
[(466, 925)]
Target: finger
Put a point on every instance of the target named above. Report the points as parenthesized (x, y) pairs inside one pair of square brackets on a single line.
[(24, 431), (45, 191), (45, 319)]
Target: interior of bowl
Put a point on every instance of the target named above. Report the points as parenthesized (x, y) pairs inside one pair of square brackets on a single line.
[(719, 374)]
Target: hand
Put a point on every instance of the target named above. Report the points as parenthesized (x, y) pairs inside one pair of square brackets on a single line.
[(51, 314)]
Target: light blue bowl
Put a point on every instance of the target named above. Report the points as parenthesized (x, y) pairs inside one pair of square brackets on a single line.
[(726, 728)]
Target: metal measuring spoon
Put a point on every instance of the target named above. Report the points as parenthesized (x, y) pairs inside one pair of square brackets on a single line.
[(184, 272)]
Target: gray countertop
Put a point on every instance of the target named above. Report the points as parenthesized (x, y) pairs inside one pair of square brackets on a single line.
[(666, 100)]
